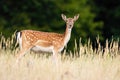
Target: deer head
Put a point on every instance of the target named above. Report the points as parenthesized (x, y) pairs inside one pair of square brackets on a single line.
[(70, 21)]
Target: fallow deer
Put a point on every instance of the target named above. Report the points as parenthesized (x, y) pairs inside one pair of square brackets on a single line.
[(45, 41)]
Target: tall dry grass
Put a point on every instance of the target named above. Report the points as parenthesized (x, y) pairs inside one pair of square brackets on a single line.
[(82, 64)]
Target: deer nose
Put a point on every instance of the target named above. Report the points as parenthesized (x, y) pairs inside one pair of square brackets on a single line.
[(70, 25)]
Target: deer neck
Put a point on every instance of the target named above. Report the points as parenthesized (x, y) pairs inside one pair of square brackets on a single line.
[(67, 35)]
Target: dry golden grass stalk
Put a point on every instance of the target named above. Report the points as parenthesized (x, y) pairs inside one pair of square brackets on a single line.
[(89, 65)]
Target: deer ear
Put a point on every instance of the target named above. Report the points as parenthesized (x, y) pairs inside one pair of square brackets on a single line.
[(63, 17), (76, 17)]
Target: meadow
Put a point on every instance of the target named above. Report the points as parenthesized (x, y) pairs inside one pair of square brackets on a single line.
[(85, 63)]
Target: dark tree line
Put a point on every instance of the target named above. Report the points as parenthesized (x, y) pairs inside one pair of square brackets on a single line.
[(109, 13), (97, 17)]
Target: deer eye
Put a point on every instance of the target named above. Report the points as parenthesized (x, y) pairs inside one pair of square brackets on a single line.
[(67, 21)]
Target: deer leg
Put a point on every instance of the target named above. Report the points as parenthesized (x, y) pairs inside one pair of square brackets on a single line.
[(55, 56), (21, 53)]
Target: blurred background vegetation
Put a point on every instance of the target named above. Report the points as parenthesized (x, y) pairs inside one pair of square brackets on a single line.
[(97, 17)]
